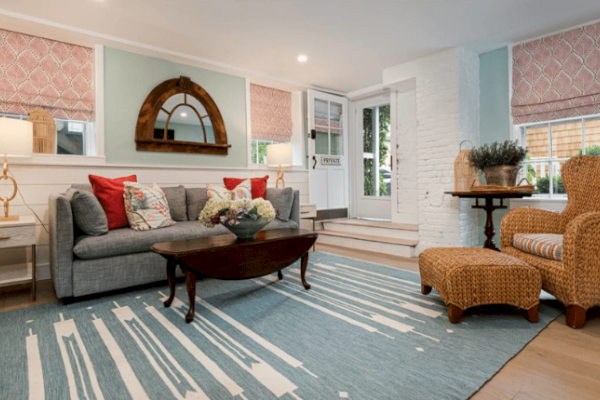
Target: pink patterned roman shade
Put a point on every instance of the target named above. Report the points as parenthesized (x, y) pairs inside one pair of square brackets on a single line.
[(42, 73), (270, 113), (557, 76)]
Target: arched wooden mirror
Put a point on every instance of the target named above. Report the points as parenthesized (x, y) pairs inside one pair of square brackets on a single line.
[(180, 116)]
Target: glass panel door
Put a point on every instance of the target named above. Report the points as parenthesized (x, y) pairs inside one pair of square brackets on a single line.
[(376, 151)]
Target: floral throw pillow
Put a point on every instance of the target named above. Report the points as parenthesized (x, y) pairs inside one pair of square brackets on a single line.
[(241, 191), (146, 207)]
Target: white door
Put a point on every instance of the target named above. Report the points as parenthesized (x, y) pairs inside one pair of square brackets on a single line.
[(328, 150), (374, 170)]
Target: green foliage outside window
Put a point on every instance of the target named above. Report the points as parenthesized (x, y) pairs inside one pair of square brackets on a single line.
[(384, 127), (542, 185)]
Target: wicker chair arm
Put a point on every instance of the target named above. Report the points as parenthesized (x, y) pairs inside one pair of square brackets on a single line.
[(529, 220), (582, 245)]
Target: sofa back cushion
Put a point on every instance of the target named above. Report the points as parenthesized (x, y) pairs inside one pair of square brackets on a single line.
[(196, 199), (88, 214), (177, 202), (282, 201)]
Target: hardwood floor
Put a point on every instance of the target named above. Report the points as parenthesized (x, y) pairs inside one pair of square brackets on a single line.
[(560, 363)]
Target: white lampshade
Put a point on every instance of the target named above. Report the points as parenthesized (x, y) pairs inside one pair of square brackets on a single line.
[(279, 154), (16, 137)]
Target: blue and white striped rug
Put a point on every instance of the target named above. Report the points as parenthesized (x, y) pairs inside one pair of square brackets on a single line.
[(362, 332)]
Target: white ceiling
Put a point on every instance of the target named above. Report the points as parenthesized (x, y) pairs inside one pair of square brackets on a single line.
[(348, 42)]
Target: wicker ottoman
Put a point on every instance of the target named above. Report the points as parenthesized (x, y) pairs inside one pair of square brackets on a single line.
[(469, 277)]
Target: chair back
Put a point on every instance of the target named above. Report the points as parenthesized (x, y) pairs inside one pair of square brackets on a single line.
[(581, 177)]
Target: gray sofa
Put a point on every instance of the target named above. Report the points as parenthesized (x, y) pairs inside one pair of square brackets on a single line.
[(82, 265)]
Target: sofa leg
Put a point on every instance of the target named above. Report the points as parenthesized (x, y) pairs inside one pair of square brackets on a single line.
[(425, 289), (533, 314), (454, 314), (575, 316)]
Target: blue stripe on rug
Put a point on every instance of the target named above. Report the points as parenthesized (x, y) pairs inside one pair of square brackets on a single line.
[(363, 331)]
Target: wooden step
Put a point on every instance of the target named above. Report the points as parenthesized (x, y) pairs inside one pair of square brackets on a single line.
[(373, 228), (374, 223), (378, 244)]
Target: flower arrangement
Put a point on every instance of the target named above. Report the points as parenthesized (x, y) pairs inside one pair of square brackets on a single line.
[(234, 212)]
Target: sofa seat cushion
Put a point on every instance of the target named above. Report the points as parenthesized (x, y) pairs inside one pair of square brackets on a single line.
[(127, 241), (545, 245)]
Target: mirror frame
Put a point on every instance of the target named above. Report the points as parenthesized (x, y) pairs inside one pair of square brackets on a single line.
[(144, 132)]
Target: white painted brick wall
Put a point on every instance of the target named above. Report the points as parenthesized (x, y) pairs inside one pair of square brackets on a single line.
[(447, 112)]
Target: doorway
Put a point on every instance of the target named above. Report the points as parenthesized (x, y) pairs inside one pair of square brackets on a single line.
[(374, 158)]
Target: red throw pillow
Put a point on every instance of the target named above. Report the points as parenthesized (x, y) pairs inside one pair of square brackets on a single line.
[(110, 195), (259, 185)]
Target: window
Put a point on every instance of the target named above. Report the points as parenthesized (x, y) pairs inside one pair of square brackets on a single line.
[(56, 77), (72, 137), (259, 150), (551, 144)]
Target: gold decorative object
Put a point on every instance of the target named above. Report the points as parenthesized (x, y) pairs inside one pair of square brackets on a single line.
[(16, 139), (465, 174), (44, 132), (280, 155)]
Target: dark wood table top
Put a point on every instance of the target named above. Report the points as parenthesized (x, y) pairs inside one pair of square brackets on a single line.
[(227, 241), (493, 193)]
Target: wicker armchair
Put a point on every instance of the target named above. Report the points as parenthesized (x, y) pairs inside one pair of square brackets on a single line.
[(574, 281)]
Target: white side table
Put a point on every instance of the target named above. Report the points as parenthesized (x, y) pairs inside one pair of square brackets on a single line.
[(309, 211), (22, 234)]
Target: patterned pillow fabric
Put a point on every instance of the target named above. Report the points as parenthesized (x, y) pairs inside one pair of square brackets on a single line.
[(241, 191), (545, 245), (259, 185), (146, 207)]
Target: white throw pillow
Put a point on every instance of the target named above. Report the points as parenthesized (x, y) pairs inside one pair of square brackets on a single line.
[(241, 191), (146, 207)]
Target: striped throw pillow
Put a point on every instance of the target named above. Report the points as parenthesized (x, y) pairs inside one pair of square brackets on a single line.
[(545, 245)]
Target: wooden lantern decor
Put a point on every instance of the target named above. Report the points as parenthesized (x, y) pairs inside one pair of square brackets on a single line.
[(44, 132), (465, 174)]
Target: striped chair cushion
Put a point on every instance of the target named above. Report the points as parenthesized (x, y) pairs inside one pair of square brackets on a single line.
[(545, 245)]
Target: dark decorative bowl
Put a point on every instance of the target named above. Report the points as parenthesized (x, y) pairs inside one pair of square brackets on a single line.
[(247, 228)]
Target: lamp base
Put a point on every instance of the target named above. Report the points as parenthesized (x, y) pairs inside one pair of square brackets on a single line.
[(280, 178), (9, 218)]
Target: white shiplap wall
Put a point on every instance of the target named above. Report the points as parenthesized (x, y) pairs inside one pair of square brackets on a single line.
[(37, 182)]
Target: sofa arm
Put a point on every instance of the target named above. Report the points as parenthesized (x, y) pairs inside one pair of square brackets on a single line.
[(529, 220), (295, 215), (61, 244), (582, 258)]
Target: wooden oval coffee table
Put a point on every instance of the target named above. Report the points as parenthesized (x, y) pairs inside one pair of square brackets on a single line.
[(226, 257)]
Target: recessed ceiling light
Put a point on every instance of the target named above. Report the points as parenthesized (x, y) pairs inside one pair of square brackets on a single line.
[(183, 114), (302, 58)]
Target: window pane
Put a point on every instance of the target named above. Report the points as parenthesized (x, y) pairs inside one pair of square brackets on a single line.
[(384, 151), (369, 182), (566, 139), (367, 130), (337, 130), (537, 173), (322, 127), (254, 147), (262, 152), (592, 137), (537, 141), (557, 183)]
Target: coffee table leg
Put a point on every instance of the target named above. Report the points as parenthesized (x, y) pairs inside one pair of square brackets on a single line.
[(303, 265), (171, 265), (190, 283), (279, 274)]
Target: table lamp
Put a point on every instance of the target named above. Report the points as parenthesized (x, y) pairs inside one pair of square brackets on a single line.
[(16, 139), (279, 154)]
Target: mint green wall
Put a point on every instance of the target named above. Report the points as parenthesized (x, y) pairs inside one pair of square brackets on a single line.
[(129, 78), (494, 123)]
